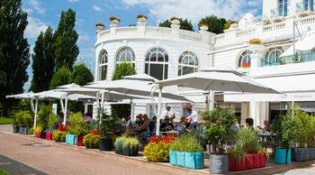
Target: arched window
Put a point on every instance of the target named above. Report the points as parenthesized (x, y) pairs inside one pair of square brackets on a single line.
[(156, 63), (102, 65), (244, 59), (187, 63), (125, 54), (272, 56)]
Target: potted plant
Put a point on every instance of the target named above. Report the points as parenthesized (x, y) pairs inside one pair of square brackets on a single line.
[(52, 121), (126, 145), (218, 122), (24, 120), (92, 139), (77, 129), (245, 153), (305, 136), (158, 149), (285, 128), (107, 129), (187, 152), (43, 115)]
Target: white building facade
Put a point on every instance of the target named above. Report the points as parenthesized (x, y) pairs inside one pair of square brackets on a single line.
[(286, 60)]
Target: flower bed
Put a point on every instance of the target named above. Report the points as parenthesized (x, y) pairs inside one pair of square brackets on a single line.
[(157, 150)]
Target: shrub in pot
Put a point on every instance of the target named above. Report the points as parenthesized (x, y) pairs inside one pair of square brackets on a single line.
[(78, 128), (25, 121), (219, 122), (157, 150), (285, 127), (186, 151), (108, 126), (126, 145), (59, 136), (91, 140)]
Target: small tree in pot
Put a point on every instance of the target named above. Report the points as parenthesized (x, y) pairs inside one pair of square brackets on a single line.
[(219, 122), (285, 127)]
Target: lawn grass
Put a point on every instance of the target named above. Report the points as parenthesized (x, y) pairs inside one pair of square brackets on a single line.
[(4, 120), (4, 172)]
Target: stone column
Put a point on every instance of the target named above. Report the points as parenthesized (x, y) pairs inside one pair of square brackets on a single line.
[(255, 57), (142, 23)]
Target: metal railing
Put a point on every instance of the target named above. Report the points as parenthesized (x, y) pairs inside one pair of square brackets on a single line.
[(290, 59)]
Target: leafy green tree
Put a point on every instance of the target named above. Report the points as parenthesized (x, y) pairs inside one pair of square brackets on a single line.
[(122, 110), (14, 51), (66, 49), (215, 24), (184, 24), (81, 74), (61, 77), (43, 61)]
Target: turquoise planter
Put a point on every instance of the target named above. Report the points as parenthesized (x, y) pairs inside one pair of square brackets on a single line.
[(173, 158), (189, 160), (199, 160), (180, 157), (283, 156), (71, 139)]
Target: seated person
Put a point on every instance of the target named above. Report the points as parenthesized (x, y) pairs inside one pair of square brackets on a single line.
[(88, 118), (167, 125)]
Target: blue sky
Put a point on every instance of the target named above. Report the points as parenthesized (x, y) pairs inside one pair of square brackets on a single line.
[(44, 13)]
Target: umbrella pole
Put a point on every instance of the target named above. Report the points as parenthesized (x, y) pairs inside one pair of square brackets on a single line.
[(66, 111), (159, 112), (211, 100)]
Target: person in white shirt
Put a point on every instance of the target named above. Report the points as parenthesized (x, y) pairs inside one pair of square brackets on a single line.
[(167, 114), (192, 117)]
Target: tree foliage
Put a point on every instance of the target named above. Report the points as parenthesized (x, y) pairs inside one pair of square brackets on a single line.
[(43, 61), (122, 110), (14, 50), (81, 75), (66, 49), (184, 24), (215, 24), (61, 77)]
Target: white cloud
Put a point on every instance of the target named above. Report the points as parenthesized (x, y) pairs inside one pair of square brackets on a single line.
[(35, 4), (73, 0), (197, 9), (34, 27), (97, 8)]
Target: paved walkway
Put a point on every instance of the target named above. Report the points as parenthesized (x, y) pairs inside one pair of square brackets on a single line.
[(40, 156)]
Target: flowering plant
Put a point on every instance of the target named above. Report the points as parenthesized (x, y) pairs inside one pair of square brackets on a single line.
[(255, 41), (158, 148)]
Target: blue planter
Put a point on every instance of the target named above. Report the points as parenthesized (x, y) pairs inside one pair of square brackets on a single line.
[(173, 158), (283, 156), (180, 157), (189, 160), (71, 139), (199, 160)]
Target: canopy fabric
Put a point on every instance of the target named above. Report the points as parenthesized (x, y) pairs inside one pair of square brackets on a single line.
[(305, 44), (141, 77), (135, 87), (218, 80)]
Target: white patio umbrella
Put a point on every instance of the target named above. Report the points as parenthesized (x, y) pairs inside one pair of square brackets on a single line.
[(34, 102), (216, 79)]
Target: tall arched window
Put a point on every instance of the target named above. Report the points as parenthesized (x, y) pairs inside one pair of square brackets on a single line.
[(125, 54), (102, 65), (244, 59), (187, 63), (272, 56), (156, 63)]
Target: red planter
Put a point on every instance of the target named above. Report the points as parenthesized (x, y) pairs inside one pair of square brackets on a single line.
[(249, 162), (262, 159), (37, 134), (80, 140), (236, 165), (48, 135)]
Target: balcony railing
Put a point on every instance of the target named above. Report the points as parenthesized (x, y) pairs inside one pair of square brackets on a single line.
[(290, 59)]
